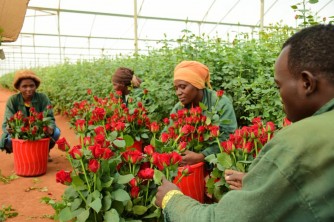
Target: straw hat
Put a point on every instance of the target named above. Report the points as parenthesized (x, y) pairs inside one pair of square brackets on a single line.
[(25, 74)]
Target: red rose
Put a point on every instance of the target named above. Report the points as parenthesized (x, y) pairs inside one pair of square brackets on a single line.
[(107, 154), (89, 91), (228, 146), (149, 150), (220, 93), (80, 125), (63, 144), (99, 139), (156, 161), (134, 192), (270, 127), (166, 121), (93, 165), (145, 91), (164, 137), (63, 177), (154, 127), (257, 121), (175, 158), (133, 182), (98, 113), (214, 130), (76, 153), (146, 173), (182, 146), (99, 130), (120, 126), (248, 147), (132, 156)]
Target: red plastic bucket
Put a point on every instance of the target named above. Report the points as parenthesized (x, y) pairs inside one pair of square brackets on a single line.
[(30, 157), (192, 185)]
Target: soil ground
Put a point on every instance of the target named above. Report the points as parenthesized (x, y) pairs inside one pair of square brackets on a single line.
[(24, 193)]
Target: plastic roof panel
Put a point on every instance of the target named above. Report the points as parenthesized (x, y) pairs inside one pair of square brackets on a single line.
[(87, 29)]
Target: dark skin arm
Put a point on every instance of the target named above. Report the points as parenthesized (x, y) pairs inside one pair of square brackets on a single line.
[(234, 179), (190, 158), (165, 187)]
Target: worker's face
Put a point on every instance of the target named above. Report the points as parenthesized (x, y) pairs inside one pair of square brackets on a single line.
[(291, 89), (186, 92), (27, 88), (119, 87)]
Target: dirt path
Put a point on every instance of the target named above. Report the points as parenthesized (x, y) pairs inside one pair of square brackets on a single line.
[(24, 193)]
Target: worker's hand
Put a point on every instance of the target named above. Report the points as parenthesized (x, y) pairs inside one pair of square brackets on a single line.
[(50, 131), (234, 179), (190, 158), (9, 130), (165, 187)]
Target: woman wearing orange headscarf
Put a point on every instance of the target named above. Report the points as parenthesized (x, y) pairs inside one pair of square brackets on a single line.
[(192, 86)]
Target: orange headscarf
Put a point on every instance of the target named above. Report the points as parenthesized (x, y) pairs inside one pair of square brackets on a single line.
[(196, 73)]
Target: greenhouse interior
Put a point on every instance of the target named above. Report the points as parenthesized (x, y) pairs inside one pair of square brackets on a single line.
[(58, 31), (179, 110)]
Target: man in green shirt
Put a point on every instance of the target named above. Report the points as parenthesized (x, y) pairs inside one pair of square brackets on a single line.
[(292, 177)]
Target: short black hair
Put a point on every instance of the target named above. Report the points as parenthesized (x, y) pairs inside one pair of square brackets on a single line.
[(312, 49)]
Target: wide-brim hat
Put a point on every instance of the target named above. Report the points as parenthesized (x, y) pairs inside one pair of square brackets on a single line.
[(25, 74)]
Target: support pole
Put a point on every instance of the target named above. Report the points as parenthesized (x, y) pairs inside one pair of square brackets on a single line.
[(135, 16), (261, 15)]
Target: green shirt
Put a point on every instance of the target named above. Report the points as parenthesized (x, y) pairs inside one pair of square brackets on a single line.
[(292, 179), (209, 100), (15, 103)]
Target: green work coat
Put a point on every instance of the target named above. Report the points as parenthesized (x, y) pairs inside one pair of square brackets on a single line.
[(292, 179)]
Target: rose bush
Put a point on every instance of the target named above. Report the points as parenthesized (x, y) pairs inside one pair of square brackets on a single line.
[(33, 127), (110, 179)]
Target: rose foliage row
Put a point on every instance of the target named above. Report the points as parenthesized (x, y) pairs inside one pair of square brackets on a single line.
[(122, 156)]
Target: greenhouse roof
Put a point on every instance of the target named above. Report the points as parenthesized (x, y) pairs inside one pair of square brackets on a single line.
[(55, 31)]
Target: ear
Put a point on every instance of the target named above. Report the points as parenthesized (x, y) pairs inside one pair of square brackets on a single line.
[(309, 82)]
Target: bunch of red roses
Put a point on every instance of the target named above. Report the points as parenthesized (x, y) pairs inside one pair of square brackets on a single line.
[(113, 115), (33, 127), (189, 129), (237, 153)]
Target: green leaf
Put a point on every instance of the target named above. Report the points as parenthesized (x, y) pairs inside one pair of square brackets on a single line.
[(111, 216), (225, 160), (128, 140), (65, 214), (313, 1), (106, 202), (96, 205), (76, 180), (139, 209), (294, 6), (83, 216), (211, 158), (144, 136), (119, 143), (76, 204), (157, 177), (123, 179), (208, 121), (240, 167), (120, 195)]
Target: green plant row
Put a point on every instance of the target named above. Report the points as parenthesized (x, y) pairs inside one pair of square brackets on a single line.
[(243, 68)]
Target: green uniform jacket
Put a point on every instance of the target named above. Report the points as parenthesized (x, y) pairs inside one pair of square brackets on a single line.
[(209, 100), (292, 179), (15, 103)]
